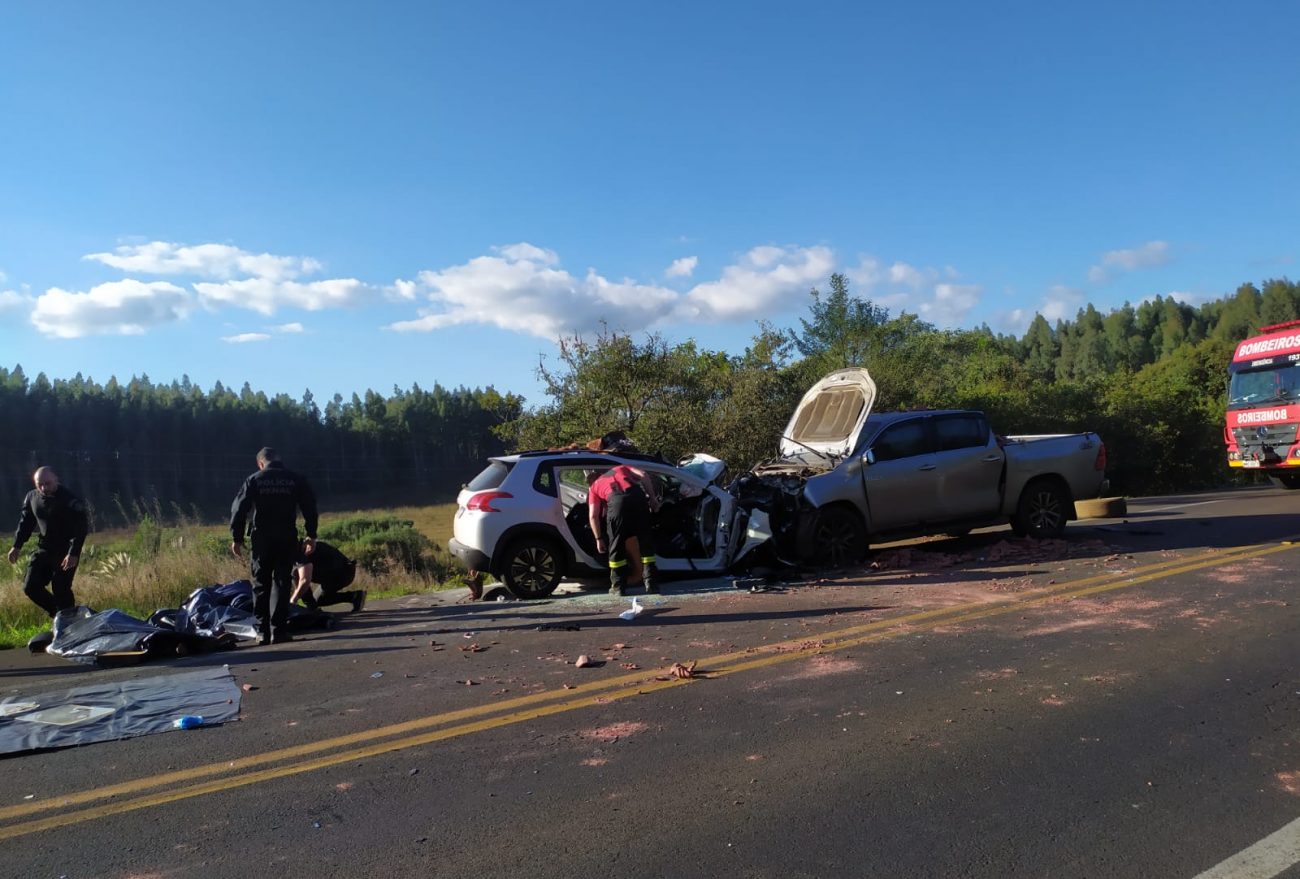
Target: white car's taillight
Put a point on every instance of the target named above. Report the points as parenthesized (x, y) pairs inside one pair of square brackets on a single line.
[(483, 501)]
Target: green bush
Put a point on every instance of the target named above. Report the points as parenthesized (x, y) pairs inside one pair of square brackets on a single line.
[(380, 544), (147, 539)]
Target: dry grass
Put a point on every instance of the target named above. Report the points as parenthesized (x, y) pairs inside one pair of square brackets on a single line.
[(115, 574)]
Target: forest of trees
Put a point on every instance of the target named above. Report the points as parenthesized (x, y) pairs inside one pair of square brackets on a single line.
[(1150, 378), (175, 449)]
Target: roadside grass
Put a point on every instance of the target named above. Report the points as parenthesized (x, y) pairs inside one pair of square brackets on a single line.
[(151, 566)]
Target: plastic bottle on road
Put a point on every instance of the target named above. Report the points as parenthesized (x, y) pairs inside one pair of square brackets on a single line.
[(188, 721)]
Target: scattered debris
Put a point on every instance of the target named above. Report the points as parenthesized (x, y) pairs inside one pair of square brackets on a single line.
[(630, 666), (582, 661), (472, 648), (559, 627), (378, 674), (682, 670), (248, 688)]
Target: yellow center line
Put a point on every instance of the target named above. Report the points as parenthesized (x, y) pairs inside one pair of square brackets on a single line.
[(586, 695)]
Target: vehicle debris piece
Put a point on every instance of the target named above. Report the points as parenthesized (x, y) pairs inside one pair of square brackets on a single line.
[(683, 670)]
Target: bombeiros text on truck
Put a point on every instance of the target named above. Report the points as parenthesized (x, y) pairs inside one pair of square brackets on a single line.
[(1264, 404)]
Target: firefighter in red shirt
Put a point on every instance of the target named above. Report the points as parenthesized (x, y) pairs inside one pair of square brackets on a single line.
[(619, 506)]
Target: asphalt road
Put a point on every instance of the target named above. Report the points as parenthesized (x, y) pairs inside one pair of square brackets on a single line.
[(1125, 702)]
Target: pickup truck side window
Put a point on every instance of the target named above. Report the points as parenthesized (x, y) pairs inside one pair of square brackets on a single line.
[(961, 432), (902, 440)]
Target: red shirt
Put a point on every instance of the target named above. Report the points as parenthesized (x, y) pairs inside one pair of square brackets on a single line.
[(621, 478)]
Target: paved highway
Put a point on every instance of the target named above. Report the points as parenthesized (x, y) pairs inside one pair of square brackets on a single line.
[(1125, 702)]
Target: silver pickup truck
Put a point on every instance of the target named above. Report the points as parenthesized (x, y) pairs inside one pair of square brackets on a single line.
[(847, 477)]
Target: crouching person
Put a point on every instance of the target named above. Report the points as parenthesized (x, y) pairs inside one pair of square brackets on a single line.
[(332, 572)]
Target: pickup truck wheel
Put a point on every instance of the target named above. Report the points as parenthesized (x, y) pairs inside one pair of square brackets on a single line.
[(834, 537), (1042, 510), (532, 568)]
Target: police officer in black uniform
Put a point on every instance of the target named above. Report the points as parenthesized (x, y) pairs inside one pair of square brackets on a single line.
[(273, 495), (61, 519)]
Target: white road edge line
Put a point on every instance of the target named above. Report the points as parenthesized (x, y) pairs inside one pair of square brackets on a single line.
[(1177, 506), (1265, 859)]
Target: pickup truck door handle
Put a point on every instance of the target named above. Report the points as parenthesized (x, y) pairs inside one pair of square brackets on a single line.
[(926, 467), (991, 459)]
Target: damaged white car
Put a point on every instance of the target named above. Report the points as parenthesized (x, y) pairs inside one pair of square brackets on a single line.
[(844, 478)]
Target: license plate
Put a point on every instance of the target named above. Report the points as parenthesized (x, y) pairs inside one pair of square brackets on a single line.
[(1250, 463)]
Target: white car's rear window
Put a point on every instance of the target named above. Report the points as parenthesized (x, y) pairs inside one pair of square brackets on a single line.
[(492, 476)]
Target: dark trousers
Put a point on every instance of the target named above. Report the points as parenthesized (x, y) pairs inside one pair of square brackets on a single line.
[(627, 514), (43, 571), (319, 596), (331, 590), (272, 563)]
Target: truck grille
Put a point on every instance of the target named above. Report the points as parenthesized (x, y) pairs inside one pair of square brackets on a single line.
[(1276, 435)]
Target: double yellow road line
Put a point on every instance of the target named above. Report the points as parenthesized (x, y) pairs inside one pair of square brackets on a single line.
[(196, 781)]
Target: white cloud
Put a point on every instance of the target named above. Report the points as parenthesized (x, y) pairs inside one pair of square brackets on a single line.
[(761, 282), (950, 303), (219, 261), (13, 302), (523, 290), (243, 338), (264, 295), (925, 291), (1148, 255), (681, 268), (126, 307), (1178, 296), (1061, 303), (294, 327), (909, 276), (523, 251), (865, 277)]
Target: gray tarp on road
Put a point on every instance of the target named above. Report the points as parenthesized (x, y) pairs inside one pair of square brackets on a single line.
[(116, 710)]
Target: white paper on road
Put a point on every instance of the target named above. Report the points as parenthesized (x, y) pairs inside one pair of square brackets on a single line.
[(632, 612)]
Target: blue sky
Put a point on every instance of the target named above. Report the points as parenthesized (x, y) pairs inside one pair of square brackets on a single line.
[(326, 196)]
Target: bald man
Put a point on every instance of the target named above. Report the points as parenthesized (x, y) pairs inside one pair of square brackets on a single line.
[(61, 519)]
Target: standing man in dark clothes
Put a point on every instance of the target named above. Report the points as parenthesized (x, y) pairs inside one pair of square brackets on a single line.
[(61, 519), (273, 495), (333, 571)]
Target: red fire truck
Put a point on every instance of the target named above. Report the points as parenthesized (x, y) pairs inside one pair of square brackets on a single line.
[(1264, 404)]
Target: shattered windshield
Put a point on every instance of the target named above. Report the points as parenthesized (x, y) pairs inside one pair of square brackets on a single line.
[(1261, 386)]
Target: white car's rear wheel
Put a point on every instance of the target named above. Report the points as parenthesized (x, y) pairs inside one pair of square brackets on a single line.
[(533, 567)]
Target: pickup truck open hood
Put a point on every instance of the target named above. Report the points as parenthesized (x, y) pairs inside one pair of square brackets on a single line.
[(830, 416)]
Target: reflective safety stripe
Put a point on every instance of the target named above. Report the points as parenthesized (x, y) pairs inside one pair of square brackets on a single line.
[(647, 560), (614, 564)]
